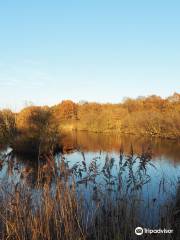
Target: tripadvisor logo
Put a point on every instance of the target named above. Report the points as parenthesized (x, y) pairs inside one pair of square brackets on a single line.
[(140, 231)]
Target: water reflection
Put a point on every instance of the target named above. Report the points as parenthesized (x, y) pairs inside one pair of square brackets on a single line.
[(94, 142), (159, 179), (107, 165)]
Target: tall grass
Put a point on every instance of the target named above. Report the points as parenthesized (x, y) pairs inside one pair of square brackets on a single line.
[(70, 202), (46, 216)]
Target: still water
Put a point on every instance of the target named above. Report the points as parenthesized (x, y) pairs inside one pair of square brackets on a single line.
[(159, 180), (110, 164)]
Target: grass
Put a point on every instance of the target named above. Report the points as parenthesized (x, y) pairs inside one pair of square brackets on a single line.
[(81, 201)]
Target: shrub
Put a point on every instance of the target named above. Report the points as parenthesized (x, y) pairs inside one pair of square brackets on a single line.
[(37, 130), (7, 126)]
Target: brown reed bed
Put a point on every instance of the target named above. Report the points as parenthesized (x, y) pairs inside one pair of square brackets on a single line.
[(56, 207)]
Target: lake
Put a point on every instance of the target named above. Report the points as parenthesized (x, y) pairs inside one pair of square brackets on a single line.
[(107, 164), (164, 174)]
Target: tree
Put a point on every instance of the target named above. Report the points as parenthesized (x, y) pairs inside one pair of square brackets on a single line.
[(37, 129), (7, 125)]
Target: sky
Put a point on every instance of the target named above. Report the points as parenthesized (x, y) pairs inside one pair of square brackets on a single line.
[(94, 50)]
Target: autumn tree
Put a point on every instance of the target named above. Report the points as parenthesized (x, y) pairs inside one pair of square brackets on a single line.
[(66, 110), (7, 125), (37, 128)]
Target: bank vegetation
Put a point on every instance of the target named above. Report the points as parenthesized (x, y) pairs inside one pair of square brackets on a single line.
[(42, 126)]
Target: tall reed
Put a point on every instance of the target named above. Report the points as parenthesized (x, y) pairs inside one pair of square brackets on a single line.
[(70, 203)]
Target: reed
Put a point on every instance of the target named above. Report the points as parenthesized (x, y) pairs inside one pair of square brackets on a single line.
[(57, 206)]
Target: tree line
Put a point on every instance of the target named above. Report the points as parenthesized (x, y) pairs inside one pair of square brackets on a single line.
[(152, 115)]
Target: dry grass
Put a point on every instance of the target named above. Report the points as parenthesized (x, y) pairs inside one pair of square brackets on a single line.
[(57, 207), (55, 216)]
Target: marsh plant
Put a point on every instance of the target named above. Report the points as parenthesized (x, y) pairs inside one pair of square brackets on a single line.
[(84, 200)]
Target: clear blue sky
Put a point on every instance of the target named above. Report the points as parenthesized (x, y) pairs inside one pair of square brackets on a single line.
[(95, 50)]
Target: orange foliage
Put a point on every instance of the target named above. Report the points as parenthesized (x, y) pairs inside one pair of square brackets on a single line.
[(66, 110), (145, 115), (33, 118), (7, 125)]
